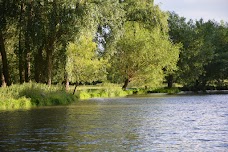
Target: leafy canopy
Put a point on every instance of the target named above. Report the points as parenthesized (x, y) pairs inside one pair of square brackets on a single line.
[(142, 54), (83, 65)]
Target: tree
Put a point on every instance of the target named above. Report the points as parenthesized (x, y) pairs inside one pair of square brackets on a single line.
[(197, 50), (8, 11), (109, 24), (216, 70), (144, 49), (56, 23), (83, 64), (142, 55)]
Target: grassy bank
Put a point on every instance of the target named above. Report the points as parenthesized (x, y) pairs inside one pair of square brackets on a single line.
[(113, 90), (104, 93), (32, 95)]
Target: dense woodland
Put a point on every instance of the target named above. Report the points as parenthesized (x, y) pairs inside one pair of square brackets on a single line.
[(125, 41)]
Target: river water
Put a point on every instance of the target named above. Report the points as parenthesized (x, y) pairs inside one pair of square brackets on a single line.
[(168, 123)]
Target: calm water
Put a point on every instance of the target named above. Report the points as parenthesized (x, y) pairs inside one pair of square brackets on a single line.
[(181, 123)]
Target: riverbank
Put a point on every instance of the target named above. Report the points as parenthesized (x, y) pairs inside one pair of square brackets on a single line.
[(203, 92), (30, 95)]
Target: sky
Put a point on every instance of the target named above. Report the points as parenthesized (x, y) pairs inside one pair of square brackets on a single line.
[(195, 9)]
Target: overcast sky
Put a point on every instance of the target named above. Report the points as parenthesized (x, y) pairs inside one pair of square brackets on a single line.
[(196, 9)]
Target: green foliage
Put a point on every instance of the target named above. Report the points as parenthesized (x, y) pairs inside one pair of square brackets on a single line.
[(83, 65), (217, 69), (203, 55), (58, 41), (144, 50), (142, 54)]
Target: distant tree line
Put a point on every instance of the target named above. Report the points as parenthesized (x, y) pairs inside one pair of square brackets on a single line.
[(203, 59), (126, 41)]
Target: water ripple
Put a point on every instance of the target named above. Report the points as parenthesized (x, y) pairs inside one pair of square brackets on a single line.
[(181, 123)]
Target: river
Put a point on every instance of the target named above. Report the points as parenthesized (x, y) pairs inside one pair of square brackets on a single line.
[(157, 123)]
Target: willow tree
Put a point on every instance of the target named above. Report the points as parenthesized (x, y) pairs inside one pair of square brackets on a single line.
[(144, 50), (109, 17), (141, 55)]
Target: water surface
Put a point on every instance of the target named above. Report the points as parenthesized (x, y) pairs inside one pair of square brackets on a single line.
[(170, 123)]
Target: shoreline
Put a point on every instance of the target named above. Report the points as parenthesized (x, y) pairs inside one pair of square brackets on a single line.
[(207, 92), (39, 95)]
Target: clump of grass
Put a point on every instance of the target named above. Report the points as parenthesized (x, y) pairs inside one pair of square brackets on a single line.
[(107, 92), (10, 99), (32, 94), (20, 103), (43, 95)]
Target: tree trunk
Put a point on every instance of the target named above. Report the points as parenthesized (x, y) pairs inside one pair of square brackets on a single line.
[(5, 69), (67, 84), (50, 42), (76, 84), (3, 82), (20, 50), (39, 62), (170, 81), (27, 67), (126, 82), (27, 57), (196, 86), (20, 56), (27, 43), (1, 74), (49, 66)]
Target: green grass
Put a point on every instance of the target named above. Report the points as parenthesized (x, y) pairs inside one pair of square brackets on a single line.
[(104, 90), (109, 90), (30, 95), (104, 93), (11, 103)]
